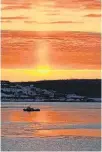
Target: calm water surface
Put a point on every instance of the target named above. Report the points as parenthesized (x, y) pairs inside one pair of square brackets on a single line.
[(54, 119)]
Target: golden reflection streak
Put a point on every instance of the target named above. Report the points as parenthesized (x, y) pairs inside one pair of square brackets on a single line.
[(53, 117), (69, 132)]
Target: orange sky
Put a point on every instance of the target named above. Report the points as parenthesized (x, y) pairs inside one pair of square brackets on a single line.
[(50, 39)]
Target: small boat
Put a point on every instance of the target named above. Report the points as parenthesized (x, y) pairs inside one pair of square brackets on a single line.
[(29, 109)]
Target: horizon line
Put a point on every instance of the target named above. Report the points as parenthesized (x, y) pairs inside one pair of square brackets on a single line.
[(54, 80)]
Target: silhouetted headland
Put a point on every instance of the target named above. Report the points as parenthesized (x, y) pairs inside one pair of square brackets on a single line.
[(52, 90)]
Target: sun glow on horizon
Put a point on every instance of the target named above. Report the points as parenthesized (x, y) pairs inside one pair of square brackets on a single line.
[(43, 69), (44, 73)]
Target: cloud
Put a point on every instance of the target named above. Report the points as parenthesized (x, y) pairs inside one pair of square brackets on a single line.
[(25, 4), (19, 4), (63, 22), (93, 15), (11, 7), (14, 18), (17, 52), (54, 12), (94, 5), (85, 4), (79, 49), (57, 22)]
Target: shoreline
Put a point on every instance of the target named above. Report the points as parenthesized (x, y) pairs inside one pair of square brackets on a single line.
[(70, 143), (32, 100)]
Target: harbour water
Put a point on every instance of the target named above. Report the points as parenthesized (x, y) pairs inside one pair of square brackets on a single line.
[(54, 119)]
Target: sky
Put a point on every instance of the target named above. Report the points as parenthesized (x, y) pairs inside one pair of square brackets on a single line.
[(50, 39)]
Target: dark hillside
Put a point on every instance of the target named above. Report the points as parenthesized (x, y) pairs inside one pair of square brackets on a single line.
[(86, 87)]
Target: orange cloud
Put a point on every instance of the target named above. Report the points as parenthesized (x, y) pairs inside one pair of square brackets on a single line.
[(57, 22), (84, 4), (79, 50), (66, 50), (14, 18), (14, 7), (17, 51), (93, 15), (94, 5), (18, 2)]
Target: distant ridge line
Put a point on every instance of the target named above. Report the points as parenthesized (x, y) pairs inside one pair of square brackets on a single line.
[(51, 80)]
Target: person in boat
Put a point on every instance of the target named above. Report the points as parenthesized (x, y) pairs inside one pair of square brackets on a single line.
[(28, 108)]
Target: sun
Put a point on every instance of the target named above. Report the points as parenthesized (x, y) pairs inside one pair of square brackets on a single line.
[(43, 69)]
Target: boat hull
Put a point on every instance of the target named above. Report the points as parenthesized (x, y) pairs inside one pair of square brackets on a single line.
[(31, 110)]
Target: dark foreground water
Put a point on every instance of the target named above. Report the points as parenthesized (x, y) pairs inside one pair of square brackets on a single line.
[(55, 121)]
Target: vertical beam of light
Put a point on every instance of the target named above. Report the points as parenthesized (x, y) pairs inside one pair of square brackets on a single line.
[(42, 55), (42, 46)]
